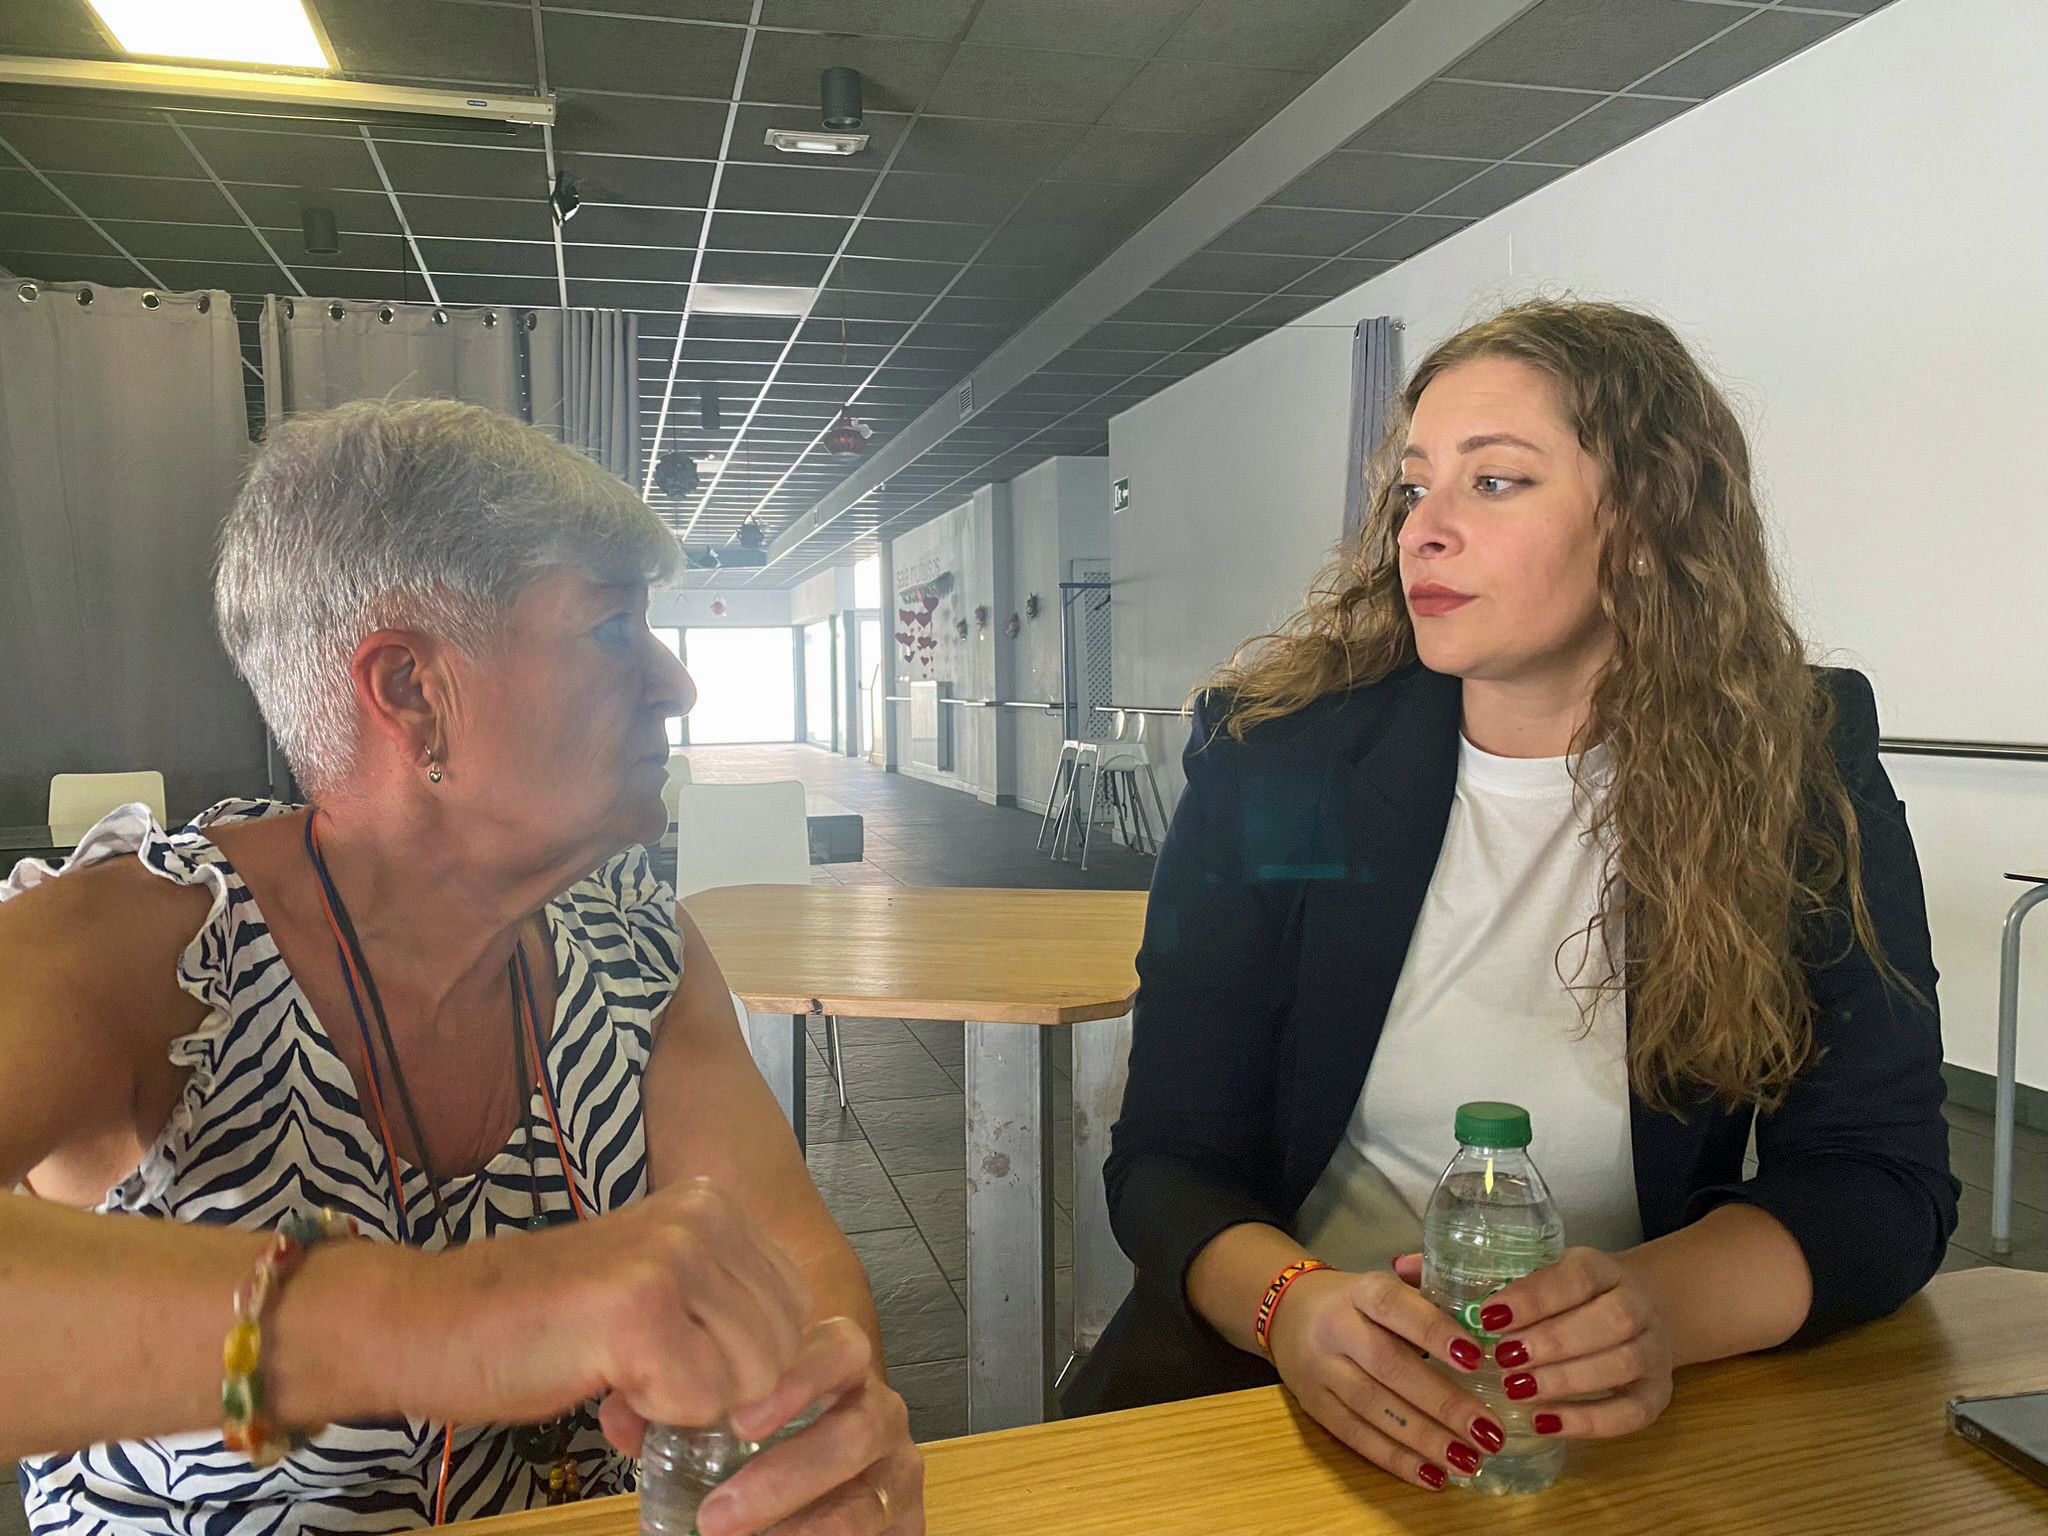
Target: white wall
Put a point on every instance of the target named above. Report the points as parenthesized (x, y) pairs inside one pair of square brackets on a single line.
[(1059, 513), (823, 595), (955, 542), (1848, 241)]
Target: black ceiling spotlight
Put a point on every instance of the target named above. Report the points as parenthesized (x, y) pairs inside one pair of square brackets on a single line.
[(322, 236), (564, 199), (708, 414), (676, 475), (840, 89)]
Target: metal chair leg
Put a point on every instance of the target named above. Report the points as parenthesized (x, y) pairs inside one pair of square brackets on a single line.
[(837, 1063), (1158, 799), (2008, 1069), (1061, 773), (1088, 824)]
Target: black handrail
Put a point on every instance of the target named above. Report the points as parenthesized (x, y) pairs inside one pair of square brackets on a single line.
[(1996, 751)]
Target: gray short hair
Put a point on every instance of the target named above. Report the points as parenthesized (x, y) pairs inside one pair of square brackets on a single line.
[(425, 513)]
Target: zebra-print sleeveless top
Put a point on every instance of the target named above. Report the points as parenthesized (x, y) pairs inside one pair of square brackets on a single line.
[(269, 1124)]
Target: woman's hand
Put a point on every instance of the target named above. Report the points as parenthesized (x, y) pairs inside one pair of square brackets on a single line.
[(1350, 1348), (676, 1309), (1583, 1326), (854, 1472)]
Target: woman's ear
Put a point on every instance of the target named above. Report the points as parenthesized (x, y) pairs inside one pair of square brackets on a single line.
[(399, 689)]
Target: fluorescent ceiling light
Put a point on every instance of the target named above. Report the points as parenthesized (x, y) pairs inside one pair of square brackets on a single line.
[(711, 465), (319, 93), (276, 32), (815, 141), (750, 299)]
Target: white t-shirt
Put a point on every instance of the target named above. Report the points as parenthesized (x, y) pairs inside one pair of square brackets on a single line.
[(1480, 1012)]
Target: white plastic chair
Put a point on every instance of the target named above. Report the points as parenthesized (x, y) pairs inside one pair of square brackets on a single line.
[(1120, 762), (80, 799), (747, 834)]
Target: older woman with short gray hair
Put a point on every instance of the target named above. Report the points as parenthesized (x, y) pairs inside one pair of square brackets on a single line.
[(462, 1170)]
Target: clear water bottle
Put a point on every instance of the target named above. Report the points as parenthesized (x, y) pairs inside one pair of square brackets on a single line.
[(1490, 1222), (680, 1467)]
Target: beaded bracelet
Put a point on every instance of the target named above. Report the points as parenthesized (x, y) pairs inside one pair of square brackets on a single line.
[(246, 1424), (1262, 1325)]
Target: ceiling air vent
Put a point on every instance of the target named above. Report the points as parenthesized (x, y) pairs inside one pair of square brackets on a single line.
[(967, 399)]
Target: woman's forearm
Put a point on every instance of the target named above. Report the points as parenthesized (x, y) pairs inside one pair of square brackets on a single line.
[(1732, 1283), (115, 1325), (1229, 1277)]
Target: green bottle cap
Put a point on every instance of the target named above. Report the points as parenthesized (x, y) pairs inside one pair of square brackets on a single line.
[(1488, 1124)]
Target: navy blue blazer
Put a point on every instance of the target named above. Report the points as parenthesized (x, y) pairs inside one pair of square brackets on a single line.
[(1285, 896)]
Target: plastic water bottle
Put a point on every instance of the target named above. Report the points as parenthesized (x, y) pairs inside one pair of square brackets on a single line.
[(1490, 1222), (680, 1467)]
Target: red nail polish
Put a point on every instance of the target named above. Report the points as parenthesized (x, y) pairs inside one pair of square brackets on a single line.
[(1432, 1476), (1495, 1317), (1519, 1387), (1547, 1424), (1466, 1353), (1489, 1434), (1510, 1354), (1464, 1458)]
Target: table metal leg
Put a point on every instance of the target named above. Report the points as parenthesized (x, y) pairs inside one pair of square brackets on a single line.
[(1102, 1275), (1009, 1227), (778, 1043), (2008, 1068)]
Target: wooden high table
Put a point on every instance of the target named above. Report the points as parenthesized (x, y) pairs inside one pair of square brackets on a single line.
[(1009, 965), (1850, 1439)]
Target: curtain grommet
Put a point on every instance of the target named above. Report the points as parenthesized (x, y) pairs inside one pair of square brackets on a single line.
[(206, 303), (440, 317), (27, 292), (84, 297), (335, 311), (290, 309), (387, 314), (532, 320), (490, 318), (151, 299)]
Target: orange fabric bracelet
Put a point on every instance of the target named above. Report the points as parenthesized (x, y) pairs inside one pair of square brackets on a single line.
[(1262, 1325)]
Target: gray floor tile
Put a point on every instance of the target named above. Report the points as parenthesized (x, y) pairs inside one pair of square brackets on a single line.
[(14, 1523), (854, 1032), (855, 1188), (1969, 1155), (922, 1319), (2029, 1231), (936, 1394), (1961, 1258), (904, 1071), (946, 1042), (916, 1135), (824, 1120), (938, 1204)]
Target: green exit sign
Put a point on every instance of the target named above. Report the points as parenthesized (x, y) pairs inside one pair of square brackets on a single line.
[(1120, 496)]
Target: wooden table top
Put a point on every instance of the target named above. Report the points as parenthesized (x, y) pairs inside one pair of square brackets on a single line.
[(924, 952), (1850, 1439)]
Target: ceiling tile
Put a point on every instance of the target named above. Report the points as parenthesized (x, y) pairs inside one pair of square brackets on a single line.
[(533, 292), (856, 305), (1023, 83), (56, 267), (432, 39), (918, 240), (777, 232), (976, 147), (1069, 244), (879, 276), (681, 10), (644, 264), (1417, 232), (142, 197), (482, 218), (1298, 231), (1007, 313), (639, 125), (1765, 39), (1487, 122), (997, 280), (21, 192), (1183, 96), (498, 258), (1135, 28), (737, 327), (300, 159), (185, 242), (1140, 155), (624, 179), (762, 267), (1225, 271), (1278, 34), (662, 58), (52, 27), (86, 144), (751, 125), (977, 200), (1608, 126), (793, 189), (465, 171), (621, 225), (1492, 190), (897, 74), (279, 208), (644, 296), (67, 235), (1387, 183), (1593, 45), (938, 20), (1338, 276), (1117, 336), (1183, 307)]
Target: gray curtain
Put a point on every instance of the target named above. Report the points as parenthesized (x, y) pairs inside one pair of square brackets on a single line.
[(1375, 382), (123, 431), (583, 377), (321, 352)]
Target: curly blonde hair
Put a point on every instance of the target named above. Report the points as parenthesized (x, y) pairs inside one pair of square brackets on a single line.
[(1727, 824)]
